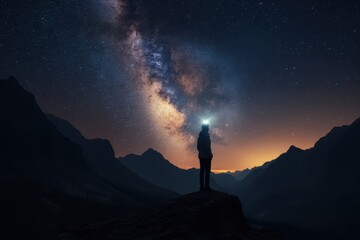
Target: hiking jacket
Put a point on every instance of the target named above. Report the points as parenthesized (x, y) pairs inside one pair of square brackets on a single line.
[(204, 145)]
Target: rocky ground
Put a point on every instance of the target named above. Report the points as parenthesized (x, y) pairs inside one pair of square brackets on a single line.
[(199, 215)]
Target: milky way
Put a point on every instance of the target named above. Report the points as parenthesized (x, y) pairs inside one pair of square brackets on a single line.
[(177, 88)]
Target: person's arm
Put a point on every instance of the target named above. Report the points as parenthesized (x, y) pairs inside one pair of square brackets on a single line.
[(198, 144), (210, 147)]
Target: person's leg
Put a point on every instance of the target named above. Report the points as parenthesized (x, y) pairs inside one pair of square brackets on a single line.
[(202, 166), (207, 173)]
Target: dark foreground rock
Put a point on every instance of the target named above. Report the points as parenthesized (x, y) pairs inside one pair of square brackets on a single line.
[(199, 215)]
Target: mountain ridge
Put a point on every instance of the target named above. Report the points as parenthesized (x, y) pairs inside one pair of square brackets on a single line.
[(47, 183), (310, 188)]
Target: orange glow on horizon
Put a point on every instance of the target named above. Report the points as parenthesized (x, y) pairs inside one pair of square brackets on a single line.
[(221, 170), (246, 154), (242, 153)]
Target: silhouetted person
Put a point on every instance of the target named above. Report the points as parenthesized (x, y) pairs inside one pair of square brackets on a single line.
[(205, 157)]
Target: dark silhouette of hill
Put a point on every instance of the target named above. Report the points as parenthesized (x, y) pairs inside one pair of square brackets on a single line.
[(315, 189), (225, 180), (199, 215), (99, 156), (240, 175), (153, 167), (47, 185)]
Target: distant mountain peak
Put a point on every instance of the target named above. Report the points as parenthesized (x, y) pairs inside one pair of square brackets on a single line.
[(152, 153), (293, 148)]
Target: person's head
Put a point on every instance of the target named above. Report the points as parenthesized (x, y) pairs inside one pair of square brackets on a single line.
[(205, 127)]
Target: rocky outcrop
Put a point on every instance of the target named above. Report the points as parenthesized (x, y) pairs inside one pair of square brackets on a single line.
[(199, 215)]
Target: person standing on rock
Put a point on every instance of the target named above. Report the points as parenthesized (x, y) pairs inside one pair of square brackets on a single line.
[(205, 157)]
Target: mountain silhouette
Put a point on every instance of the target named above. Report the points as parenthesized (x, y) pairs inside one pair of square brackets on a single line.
[(240, 175), (199, 215), (99, 156), (54, 179), (315, 189), (153, 167), (47, 184), (225, 180)]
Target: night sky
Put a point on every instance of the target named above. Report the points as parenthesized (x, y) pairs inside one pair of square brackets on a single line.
[(268, 74)]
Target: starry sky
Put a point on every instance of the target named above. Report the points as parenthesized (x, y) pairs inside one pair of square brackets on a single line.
[(145, 73)]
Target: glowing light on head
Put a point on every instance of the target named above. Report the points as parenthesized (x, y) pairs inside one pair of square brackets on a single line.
[(206, 121)]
